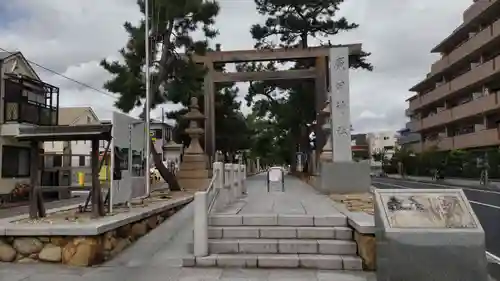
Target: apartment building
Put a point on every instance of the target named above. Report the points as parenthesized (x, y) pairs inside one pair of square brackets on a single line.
[(457, 105)]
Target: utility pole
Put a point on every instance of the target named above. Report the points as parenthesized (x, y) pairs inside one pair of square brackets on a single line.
[(148, 102)]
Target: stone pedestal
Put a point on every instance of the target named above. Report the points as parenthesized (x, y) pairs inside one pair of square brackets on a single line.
[(344, 177), (193, 174), (426, 235)]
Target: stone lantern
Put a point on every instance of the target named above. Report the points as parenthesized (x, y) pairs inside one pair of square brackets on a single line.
[(327, 151), (193, 173)]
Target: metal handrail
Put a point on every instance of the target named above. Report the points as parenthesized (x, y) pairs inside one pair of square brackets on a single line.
[(210, 187)]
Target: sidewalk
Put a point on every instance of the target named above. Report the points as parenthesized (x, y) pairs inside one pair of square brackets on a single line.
[(451, 181), (158, 255)]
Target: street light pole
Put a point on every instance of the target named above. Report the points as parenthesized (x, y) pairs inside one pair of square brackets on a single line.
[(148, 102)]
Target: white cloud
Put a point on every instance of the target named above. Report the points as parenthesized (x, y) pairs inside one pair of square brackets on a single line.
[(71, 37)]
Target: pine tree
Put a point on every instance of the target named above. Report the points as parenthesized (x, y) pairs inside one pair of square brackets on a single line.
[(294, 23), (174, 77)]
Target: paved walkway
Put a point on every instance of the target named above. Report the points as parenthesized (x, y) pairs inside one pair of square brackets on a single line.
[(298, 199), (158, 255)]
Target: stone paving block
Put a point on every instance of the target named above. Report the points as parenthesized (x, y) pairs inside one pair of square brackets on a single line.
[(239, 260), (321, 261), (352, 263), (259, 220), (332, 220), (215, 232), (240, 232), (222, 246), (316, 232), (343, 233), (295, 246), (258, 246), (208, 261), (278, 261), (225, 220), (295, 220), (278, 232), (337, 247), (189, 261)]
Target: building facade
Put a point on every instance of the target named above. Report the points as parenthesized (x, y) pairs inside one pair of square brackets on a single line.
[(457, 105), (26, 101), (382, 142)]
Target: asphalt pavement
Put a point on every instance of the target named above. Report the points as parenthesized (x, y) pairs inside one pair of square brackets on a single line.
[(484, 202)]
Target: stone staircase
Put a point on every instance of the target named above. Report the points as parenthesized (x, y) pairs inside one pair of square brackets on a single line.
[(280, 241)]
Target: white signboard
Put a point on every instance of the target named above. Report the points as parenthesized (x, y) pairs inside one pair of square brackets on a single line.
[(275, 174), (128, 153), (433, 209), (340, 111)]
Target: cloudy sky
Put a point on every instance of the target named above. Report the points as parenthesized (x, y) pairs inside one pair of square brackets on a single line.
[(72, 36)]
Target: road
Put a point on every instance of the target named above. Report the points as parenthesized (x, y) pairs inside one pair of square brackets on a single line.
[(485, 203)]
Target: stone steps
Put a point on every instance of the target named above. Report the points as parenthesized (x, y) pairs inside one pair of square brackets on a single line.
[(277, 220), (281, 246), (286, 232), (325, 262)]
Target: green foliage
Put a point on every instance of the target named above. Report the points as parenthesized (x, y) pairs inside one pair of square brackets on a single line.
[(290, 105), (174, 78)]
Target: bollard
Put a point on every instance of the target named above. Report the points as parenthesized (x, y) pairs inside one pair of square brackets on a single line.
[(200, 242), (221, 201), (236, 181), (229, 183)]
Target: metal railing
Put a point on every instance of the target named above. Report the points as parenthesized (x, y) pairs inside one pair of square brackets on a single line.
[(225, 187)]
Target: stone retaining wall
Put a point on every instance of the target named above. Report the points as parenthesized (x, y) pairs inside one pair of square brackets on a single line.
[(367, 248), (78, 250)]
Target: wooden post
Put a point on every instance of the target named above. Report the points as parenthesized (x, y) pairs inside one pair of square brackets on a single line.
[(209, 111), (320, 99), (97, 205), (37, 208)]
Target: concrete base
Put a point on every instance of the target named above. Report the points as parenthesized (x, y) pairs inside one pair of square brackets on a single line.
[(423, 256), (344, 177), (418, 253)]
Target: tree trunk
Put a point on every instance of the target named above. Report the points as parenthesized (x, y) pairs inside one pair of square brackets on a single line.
[(165, 173)]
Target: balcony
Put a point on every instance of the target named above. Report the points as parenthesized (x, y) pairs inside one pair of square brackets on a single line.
[(28, 102), (476, 9), (440, 92), (470, 47), (437, 119), (477, 139), (442, 143), (30, 112), (475, 107), (473, 76), (414, 104), (409, 138)]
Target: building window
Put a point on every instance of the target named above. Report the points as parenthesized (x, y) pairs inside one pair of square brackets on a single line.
[(81, 161), (57, 161), (15, 161)]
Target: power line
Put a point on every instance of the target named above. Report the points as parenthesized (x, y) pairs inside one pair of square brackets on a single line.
[(62, 75)]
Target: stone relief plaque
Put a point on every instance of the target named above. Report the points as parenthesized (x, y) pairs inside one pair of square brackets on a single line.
[(426, 210)]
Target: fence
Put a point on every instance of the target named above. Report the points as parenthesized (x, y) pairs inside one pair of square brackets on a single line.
[(226, 186)]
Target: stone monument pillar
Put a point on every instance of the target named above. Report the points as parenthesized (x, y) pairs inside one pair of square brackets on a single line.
[(193, 174), (341, 175)]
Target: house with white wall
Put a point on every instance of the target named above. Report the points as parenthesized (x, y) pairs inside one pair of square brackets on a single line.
[(384, 142), (25, 101), (80, 150)]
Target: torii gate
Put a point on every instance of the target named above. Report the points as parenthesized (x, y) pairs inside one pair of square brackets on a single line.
[(320, 73)]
